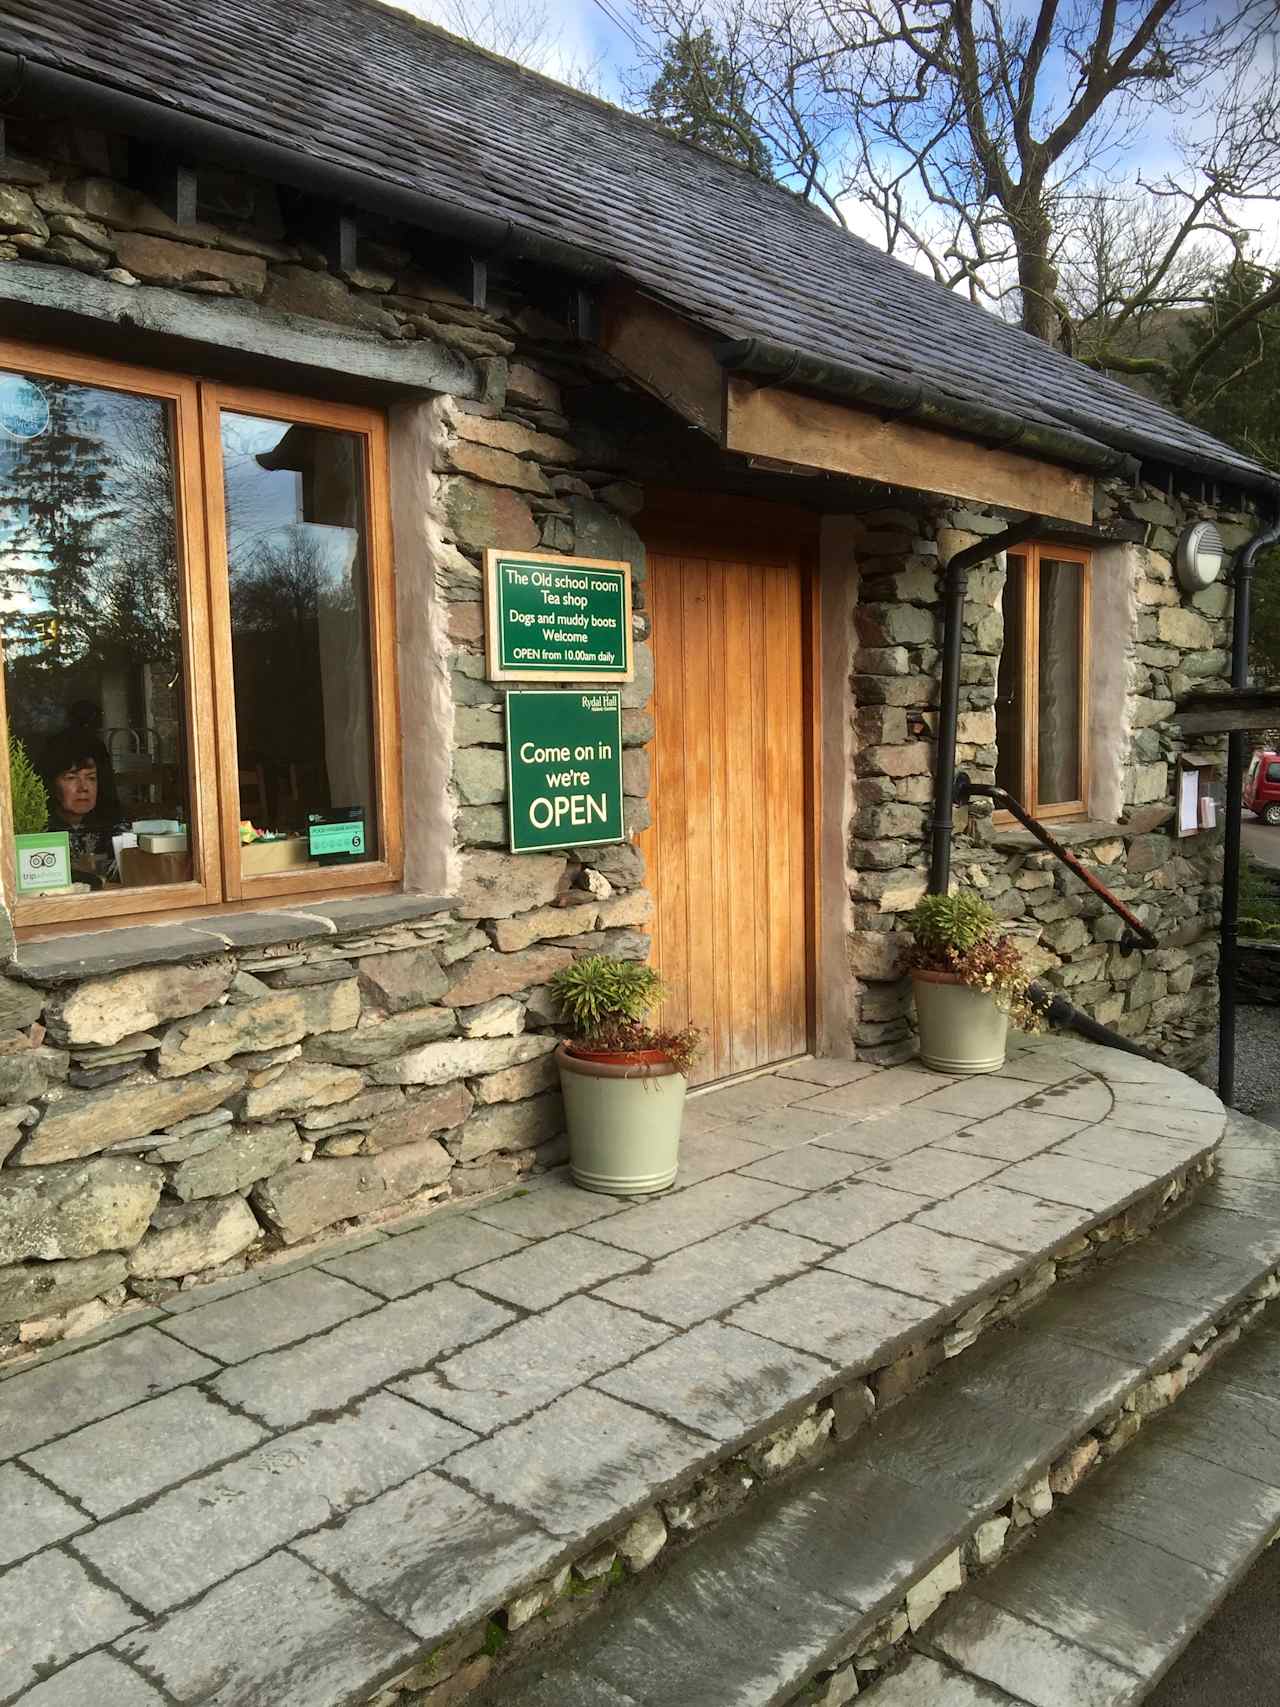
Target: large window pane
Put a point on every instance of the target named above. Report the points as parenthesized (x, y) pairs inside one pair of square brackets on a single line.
[(1009, 683), (90, 615), (1061, 602), (296, 547)]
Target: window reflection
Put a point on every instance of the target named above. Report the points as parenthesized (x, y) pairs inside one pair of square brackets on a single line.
[(1058, 720), (90, 615), (1010, 709), (296, 546)]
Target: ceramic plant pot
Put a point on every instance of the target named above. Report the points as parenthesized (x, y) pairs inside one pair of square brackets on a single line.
[(623, 1114), (961, 1030)]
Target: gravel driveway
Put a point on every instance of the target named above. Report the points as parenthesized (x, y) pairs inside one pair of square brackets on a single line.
[(1257, 1063)]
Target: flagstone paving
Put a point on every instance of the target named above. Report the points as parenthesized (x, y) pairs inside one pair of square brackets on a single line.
[(427, 1420)]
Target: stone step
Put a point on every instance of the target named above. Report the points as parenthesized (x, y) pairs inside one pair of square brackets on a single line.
[(1117, 1584), (869, 1545), (1120, 1581)]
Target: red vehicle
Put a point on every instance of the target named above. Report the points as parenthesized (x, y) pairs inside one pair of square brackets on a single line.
[(1262, 785)]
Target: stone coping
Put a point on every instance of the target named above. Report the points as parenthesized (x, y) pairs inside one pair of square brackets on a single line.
[(384, 1413), (1083, 833), (94, 954)]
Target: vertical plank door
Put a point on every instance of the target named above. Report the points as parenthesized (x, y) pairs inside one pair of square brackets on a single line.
[(729, 848)]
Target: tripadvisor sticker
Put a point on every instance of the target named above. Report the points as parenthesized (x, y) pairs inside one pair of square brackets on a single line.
[(24, 408), (44, 861)]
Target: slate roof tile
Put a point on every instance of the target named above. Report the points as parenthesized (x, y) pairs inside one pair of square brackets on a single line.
[(375, 90)]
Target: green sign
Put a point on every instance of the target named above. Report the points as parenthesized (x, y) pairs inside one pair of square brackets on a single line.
[(44, 861), (335, 839), (551, 618), (564, 769)]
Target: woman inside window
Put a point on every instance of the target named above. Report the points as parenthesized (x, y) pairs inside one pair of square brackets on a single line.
[(82, 801)]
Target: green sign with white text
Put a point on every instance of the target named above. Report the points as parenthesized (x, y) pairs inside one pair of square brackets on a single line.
[(552, 618), (564, 768), (340, 839)]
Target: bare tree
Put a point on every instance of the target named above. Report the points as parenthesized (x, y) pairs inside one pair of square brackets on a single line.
[(997, 145)]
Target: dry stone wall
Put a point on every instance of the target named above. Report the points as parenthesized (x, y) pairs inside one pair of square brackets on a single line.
[(166, 1125)]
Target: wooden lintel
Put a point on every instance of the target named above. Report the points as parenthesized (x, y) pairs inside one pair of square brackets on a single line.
[(54, 305), (813, 432), (665, 354), (1222, 720)]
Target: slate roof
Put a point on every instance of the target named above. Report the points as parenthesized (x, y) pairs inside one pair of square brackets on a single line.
[(370, 88)]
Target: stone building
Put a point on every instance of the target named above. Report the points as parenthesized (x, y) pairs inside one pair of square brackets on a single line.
[(287, 349)]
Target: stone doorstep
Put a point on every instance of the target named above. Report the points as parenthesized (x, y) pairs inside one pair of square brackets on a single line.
[(784, 1560)]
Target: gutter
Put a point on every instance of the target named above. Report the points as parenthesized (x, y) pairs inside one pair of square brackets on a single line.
[(1181, 456), (30, 85), (1070, 445), (1228, 952), (783, 364)]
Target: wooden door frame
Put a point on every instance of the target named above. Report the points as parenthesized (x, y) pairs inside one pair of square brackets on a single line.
[(676, 520)]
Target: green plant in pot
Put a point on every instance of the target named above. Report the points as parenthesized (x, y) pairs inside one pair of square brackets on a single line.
[(624, 1083), (970, 980)]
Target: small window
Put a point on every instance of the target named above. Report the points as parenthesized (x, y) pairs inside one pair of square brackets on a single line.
[(195, 600), (1273, 772), (1042, 694)]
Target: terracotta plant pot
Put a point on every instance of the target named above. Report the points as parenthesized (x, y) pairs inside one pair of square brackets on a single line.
[(961, 1029), (623, 1112), (618, 1057)]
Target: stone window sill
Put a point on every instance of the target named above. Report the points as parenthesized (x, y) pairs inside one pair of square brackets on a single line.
[(1079, 833), (94, 954)]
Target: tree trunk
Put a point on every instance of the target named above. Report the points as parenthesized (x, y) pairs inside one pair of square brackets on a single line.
[(1037, 276)]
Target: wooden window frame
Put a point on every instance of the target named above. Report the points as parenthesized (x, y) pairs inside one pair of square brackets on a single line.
[(205, 615), (1028, 686), (371, 425)]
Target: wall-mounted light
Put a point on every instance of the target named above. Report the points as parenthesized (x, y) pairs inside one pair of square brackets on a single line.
[(1200, 557)]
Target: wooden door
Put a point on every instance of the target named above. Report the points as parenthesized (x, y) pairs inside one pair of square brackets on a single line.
[(730, 848)]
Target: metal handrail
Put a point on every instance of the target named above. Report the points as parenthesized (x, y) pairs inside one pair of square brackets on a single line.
[(1137, 935)]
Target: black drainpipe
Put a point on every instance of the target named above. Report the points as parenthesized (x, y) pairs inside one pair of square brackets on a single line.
[(1231, 846), (955, 588)]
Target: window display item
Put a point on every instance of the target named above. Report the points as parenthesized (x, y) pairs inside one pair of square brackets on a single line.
[(336, 835), (44, 862)]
